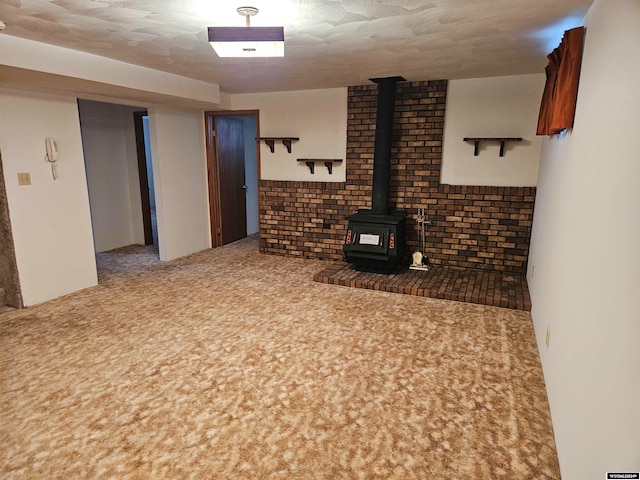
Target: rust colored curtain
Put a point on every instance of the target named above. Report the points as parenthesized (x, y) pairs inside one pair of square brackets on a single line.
[(561, 89)]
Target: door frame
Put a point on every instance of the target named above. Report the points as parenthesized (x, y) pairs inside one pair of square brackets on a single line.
[(213, 172)]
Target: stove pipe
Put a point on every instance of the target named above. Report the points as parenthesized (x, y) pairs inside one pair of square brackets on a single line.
[(382, 146)]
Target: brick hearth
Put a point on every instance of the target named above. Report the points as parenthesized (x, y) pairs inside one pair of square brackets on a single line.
[(483, 287)]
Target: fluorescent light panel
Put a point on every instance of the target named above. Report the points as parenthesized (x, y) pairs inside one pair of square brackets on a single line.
[(247, 41)]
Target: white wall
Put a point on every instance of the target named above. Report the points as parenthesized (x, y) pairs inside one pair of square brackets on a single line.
[(50, 218), (317, 117), (492, 107), (584, 263), (108, 138), (180, 177)]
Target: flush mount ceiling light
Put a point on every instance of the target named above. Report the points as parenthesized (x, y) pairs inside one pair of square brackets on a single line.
[(247, 41)]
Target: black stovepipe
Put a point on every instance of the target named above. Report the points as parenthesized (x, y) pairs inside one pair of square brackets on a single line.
[(382, 146)]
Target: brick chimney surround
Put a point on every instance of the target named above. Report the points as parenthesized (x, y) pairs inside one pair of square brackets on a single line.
[(482, 227)]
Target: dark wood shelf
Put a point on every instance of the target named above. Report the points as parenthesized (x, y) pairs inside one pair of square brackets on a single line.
[(502, 140), (328, 162), (286, 141)]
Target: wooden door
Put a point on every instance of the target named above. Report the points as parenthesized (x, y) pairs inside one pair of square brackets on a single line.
[(229, 140), (143, 177)]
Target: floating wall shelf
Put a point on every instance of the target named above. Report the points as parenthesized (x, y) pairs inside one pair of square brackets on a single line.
[(286, 141), (328, 162), (502, 140)]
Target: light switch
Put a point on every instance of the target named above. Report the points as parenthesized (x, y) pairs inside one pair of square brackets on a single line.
[(24, 178)]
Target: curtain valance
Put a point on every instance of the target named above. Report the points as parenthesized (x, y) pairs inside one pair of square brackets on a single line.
[(558, 104)]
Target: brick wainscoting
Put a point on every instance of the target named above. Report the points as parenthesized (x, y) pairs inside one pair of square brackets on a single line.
[(473, 226)]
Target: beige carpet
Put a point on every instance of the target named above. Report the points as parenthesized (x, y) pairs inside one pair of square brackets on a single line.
[(231, 364)]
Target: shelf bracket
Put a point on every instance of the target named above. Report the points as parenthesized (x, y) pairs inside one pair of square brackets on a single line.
[(271, 141), (329, 166), (502, 142), (328, 162)]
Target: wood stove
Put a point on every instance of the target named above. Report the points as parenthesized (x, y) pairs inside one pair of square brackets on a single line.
[(375, 239)]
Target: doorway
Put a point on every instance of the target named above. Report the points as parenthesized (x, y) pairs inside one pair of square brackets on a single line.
[(233, 165), (145, 176), (120, 185)]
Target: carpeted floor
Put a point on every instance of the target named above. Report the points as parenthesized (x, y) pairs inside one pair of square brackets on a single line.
[(229, 364)]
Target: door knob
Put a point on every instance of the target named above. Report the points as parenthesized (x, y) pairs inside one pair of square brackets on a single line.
[(244, 187)]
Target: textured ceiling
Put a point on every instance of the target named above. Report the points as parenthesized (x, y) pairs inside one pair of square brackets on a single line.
[(327, 43)]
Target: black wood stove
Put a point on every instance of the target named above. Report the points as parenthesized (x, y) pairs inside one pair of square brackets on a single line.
[(375, 239)]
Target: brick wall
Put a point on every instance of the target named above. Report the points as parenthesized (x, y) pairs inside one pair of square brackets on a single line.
[(473, 226)]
